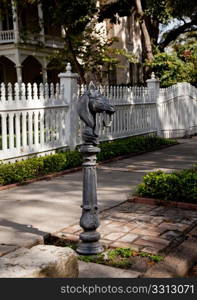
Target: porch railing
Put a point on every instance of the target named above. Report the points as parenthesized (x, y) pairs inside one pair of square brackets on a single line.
[(6, 36)]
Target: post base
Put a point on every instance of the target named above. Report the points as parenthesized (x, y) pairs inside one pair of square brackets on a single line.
[(89, 248)]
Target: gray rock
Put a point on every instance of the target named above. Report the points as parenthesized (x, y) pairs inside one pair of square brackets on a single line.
[(39, 262)]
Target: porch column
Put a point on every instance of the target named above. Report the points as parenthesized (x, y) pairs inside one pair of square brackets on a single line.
[(41, 22), (44, 71), (18, 65), (19, 73), (15, 21)]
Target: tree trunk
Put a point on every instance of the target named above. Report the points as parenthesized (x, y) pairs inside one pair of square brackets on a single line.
[(78, 67), (146, 36)]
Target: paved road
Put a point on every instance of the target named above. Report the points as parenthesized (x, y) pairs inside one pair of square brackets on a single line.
[(31, 211)]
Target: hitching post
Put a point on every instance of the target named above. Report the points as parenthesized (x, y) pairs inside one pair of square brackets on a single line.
[(89, 104)]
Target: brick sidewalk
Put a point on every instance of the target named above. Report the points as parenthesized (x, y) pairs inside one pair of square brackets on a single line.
[(142, 227)]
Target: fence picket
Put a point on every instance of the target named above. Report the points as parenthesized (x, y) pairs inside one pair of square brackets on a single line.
[(24, 130), (36, 142), (18, 131), (4, 132), (30, 129)]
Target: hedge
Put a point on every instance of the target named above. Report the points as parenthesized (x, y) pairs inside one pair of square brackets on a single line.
[(38, 166), (177, 186)]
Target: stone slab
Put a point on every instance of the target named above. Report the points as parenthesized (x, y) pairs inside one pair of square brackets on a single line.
[(170, 226), (129, 238), (114, 236), (42, 261)]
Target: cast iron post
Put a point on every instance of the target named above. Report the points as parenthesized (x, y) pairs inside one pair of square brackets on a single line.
[(89, 220), (90, 103)]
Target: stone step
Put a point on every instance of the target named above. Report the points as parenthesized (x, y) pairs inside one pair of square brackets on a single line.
[(93, 270)]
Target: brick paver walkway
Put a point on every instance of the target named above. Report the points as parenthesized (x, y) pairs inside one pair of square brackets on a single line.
[(142, 227)]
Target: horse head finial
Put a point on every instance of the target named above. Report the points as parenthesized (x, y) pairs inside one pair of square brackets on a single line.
[(89, 104)]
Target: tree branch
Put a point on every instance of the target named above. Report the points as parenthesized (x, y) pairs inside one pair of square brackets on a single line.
[(174, 33)]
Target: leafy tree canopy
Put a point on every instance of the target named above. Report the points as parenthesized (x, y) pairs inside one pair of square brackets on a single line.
[(72, 15), (180, 64), (162, 12)]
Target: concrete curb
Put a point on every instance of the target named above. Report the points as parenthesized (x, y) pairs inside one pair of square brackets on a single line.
[(178, 263), (94, 270)]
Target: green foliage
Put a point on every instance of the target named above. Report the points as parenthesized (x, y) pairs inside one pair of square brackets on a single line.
[(158, 10), (153, 257), (122, 252), (38, 166), (180, 65), (176, 186), (131, 145), (119, 257), (20, 171), (166, 10), (72, 15), (182, 8), (92, 258)]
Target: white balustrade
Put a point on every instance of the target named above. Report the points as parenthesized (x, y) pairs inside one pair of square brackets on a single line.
[(6, 36)]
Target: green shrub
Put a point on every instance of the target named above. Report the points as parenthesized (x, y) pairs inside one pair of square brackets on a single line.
[(21, 171), (176, 186), (130, 145), (37, 166)]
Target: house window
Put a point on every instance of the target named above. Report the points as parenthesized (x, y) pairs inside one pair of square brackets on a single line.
[(6, 17), (2, 77), (29, 18), (112, 75)]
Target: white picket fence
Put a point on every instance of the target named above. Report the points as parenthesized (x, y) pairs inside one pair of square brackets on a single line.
[(136, 113), (39, 119), (177, 111), (32, 119)]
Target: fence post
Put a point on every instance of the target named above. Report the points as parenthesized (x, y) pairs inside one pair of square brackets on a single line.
[(68, 81), (153, 85)]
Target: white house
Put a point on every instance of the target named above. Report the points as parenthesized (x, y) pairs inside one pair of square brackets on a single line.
[(25, 52)]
